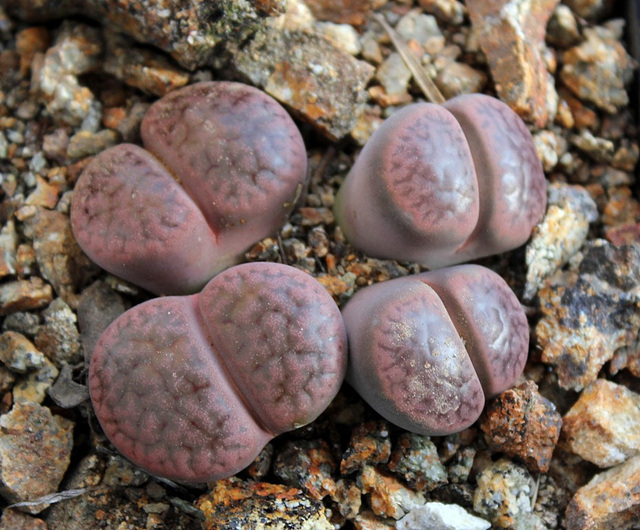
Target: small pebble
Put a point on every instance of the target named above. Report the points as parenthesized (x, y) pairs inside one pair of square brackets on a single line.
[(457, 78), (367, 520), (58, 338), (14, 519), (394, 75), (563, 30), (598, 149), (560, 234), (503, 494), (521, 423), (60, 259), (86, 143), (438, 516), (35, 449), (323, 85), (548, 147), (348, 497), (370, 444), (415, 459), (342, 36), (611, 499), (33, 387), (589, 312), (262, 463), (387, 495), (27, 324), (511, 35), (603, 426), (24, 295), (120, 472), (598, 70), (19, 354), (450, 11), (65, 392), (8, 248), (421, 28), (54, 145), (308, 465), (142, 68), (76, 51), (234, 503), (45, 194)]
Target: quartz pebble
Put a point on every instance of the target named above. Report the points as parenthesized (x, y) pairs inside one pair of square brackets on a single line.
[(342, 36), (503, 494), (422, 29), (394, 75), (511, 34), (610, 500), (559, 235), (76, 51), (589, 312), (35, 449), (521, 423), (603, 426), (438, 516), (8, 248), (387, 495), (259, 506)]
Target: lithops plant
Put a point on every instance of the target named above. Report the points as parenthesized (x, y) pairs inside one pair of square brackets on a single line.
[(222, 168), (191, 388), (427, 350), (444, 184)]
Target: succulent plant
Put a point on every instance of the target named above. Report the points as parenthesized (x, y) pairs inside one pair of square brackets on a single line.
[(444, 184), (191, 388), (224, 165), (427, 350)]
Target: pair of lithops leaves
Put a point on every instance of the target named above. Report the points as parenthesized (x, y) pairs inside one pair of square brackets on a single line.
[(192, 387)]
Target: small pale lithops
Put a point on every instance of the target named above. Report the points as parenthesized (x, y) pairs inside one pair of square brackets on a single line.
[(444, 184), (222, 168), (191, 388), (426, 351)]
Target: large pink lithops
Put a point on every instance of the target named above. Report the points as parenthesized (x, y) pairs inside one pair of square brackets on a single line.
[(191, 388), (222, 168), (444, 184), (426, 351)]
